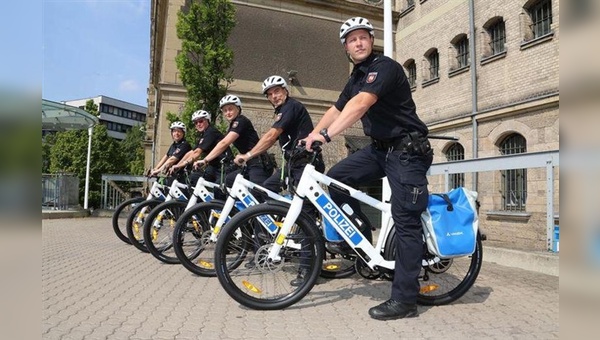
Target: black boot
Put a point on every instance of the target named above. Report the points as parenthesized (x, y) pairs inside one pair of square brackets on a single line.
[(392, 309), (341, 248), (299, 280)]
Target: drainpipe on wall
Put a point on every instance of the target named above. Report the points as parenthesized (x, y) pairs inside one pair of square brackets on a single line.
[(156, 90), (388, 42), (473, 87)]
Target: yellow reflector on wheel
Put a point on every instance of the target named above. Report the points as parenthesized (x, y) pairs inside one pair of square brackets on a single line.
[(428, 289), (154, 234), (278, 224), (332, 267), (251, 287), (206, 264)]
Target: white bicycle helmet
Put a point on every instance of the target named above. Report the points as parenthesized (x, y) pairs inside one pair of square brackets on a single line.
[(353, 24), (177, 125), (230, 99), (273, 81), (200, 114)]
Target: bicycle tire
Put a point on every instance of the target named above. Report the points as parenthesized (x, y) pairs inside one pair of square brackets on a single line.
[(267, 285), (336, 266), (158, 235), (135, 223), (191, 242), (444, 280), (119, 218)]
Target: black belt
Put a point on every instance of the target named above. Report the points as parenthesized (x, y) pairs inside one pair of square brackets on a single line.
[(398, 143), (412, 143)]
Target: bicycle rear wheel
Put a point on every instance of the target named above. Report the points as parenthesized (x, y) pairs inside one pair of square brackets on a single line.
[(119, 218), (191, 237), (158, 230), (267, 285), (444, 281), (135, 223)]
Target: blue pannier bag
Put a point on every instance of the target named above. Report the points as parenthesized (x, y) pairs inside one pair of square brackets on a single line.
[(450, 223)]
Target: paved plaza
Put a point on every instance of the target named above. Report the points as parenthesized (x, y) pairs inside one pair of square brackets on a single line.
[(94, 286)]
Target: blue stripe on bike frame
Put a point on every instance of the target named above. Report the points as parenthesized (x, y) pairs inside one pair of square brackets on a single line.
[(339, 219)]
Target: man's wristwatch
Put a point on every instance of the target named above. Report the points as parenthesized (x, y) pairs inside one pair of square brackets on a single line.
[(325, 135)]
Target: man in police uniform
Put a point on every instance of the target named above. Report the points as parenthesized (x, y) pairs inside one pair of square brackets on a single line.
[(243, 135), (379, 95), (292, 123), (208, 139), (176, 151)]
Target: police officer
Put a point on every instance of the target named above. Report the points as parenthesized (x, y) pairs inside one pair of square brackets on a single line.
[(378, 93), (292, 123), (242, 134), (176, 151), (208, 139)]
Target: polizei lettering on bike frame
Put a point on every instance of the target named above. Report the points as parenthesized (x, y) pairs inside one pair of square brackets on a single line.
[(266, 220), (339, 219)]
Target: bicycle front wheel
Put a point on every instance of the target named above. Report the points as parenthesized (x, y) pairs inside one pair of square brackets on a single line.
[(191, 237), (255, 281), (158, 230), (119, 218), (135, 223)]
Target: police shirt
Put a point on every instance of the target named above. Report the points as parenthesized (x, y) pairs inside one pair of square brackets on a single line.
[(295, 121), (208, 140), (248, 137), (178, 149), (394, 114)]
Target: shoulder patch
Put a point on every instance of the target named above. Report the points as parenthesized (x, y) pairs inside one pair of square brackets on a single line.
[(234, 125), (371, 77), (201, 140), (278, 117)]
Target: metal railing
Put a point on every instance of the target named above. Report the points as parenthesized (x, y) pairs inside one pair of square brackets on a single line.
[(60, 191), (115, 189)]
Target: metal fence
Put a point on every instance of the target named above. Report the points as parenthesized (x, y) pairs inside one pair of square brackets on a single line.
[(60, 191), (116, 189)]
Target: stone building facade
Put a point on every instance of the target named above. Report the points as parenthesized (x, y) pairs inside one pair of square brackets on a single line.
[(500, 99)]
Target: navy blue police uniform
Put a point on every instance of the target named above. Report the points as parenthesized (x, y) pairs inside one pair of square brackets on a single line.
[(399, 150), (212, 172), (178, 150), (258, 168), (293, 118)]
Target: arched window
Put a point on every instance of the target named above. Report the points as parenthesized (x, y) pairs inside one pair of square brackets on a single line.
[(456, 152), (411, 69), (432, 64), (495, 37), (514, 182), (538, 19), (461, 52)]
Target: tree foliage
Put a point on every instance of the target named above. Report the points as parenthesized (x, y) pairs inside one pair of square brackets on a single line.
[(132, 148), (205, 61), (69, 155)]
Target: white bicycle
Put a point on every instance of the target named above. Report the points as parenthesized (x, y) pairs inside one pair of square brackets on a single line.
[(268, 285)]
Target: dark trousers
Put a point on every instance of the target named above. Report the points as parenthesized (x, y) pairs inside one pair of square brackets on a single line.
[(408, 183), (255, 173)]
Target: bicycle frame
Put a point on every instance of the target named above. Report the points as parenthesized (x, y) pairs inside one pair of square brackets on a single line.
[(310, 187), (240, 190), (201, 192)]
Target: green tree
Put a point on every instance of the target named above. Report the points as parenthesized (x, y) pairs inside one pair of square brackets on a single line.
[(132, 148), (69, 155), (205, 61)]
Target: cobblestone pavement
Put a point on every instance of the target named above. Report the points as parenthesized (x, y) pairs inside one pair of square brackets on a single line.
[(94, 286)]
